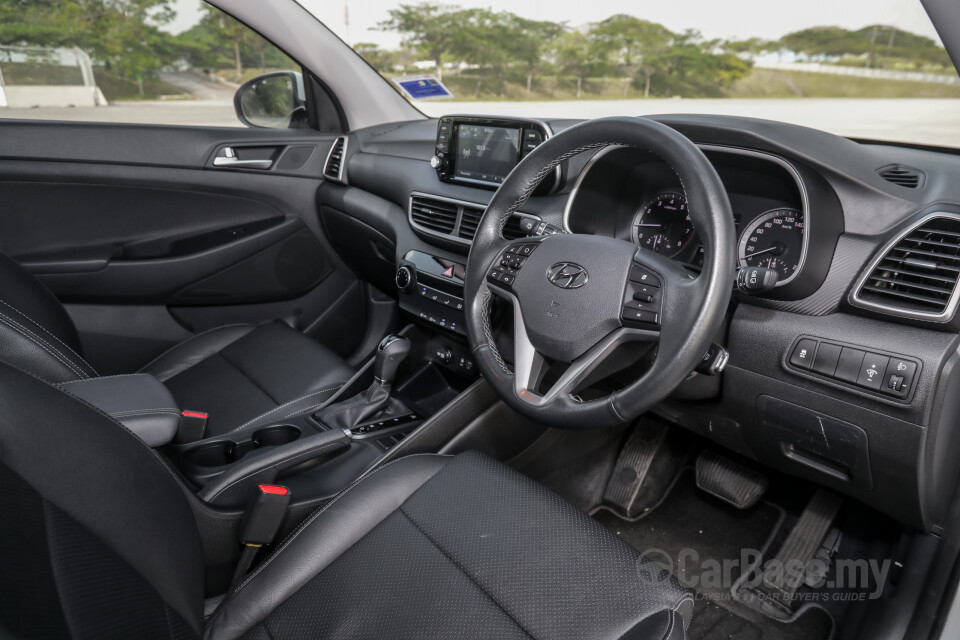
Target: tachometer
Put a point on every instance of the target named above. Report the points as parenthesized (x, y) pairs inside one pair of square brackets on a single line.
[(774, 240), (663, 225)]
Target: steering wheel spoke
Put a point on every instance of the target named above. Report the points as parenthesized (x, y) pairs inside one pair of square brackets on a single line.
[(530, 365)]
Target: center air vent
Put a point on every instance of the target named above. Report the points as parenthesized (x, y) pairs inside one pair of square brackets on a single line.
[(333, 167), (455, 220), (433, 214), (902, 175), (916, 276)]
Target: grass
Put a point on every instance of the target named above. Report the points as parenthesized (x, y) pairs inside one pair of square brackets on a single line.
[(772, 83), (116, 88)]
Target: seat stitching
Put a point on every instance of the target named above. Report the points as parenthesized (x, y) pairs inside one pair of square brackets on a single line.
[(116, 375), (43, 344), (146, 412), (191, 339), (314, 452), (464, 571), (50, 333), (262, 415), (306, 523), (52, 350)]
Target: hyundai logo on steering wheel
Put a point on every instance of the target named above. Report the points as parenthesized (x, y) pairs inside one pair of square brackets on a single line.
[(567, 275)]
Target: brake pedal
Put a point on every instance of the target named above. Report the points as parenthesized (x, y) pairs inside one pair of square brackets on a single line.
[(729, 481), (813, 534), (645, 469)]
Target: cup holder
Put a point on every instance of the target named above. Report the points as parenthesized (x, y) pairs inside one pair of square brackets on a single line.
[(223, 452), (275, 436), (214, 454)]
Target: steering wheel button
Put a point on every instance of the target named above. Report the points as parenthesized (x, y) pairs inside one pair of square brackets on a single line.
[(644, 276), (527, 249), (639, 315), (506, 278)]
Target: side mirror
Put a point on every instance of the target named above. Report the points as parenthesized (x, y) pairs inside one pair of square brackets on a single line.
[(273, 101)]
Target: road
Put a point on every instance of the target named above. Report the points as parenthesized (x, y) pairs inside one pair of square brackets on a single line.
[(200, 87), (930, 121)]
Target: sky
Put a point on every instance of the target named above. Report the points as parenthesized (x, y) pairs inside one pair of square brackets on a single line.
[(728, 19)]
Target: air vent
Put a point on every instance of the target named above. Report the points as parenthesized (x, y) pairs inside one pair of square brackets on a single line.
[(333, 167), (469, 222), (456, 219), (511, 230), (917, 275), (434, 215), (902, 175)]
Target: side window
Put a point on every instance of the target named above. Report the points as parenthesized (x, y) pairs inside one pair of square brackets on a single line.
[(141, 61)]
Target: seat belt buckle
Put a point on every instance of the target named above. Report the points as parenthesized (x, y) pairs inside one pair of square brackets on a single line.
[(265, 515), (193, 424)]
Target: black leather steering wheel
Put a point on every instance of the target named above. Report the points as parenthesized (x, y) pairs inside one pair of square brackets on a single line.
[(576, 298)]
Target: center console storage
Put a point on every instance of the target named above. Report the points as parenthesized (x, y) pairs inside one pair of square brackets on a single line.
[(138, 401)]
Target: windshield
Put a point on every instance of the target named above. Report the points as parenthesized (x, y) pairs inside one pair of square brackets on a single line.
[(871, 69)]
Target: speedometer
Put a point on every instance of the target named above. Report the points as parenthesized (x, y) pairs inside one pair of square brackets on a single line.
[(662, 225), (774, 240)]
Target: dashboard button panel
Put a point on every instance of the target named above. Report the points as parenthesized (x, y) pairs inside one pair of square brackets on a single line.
[(888, 374), (803, 354)]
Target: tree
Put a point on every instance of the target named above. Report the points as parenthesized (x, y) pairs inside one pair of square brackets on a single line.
[(575, 54), (428, 27), (380, 59), (633, 43), (530, 42)]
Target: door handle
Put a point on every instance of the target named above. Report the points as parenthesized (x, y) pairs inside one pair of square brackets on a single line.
[(230, 160)]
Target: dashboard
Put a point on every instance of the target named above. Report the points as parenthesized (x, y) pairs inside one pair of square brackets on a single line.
[(844, 373)]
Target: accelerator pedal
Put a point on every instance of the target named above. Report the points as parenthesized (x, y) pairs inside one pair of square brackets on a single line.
[(729, 481), (802, 553), (645, 469)]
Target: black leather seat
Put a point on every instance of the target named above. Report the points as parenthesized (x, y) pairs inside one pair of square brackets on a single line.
[(426, 547), (235, 373)]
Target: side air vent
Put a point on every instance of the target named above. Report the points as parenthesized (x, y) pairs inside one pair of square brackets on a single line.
[(433, 214), (902, 175), (916, 276), (333, 167), (456, 220)]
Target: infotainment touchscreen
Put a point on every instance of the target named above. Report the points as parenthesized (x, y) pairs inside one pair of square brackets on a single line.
[(486, 154)]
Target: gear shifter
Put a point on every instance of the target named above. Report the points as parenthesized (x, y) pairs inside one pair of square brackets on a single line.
[(375, 402), (391, 352)]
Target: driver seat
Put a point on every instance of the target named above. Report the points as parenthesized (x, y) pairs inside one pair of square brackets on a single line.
[(100, 542)]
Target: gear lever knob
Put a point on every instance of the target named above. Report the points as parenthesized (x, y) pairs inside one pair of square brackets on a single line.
[(391, 351)]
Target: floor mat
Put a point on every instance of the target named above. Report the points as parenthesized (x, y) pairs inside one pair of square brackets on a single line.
[(701, 538)]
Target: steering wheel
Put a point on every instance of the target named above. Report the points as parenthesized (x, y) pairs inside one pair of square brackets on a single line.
[(577, 298)]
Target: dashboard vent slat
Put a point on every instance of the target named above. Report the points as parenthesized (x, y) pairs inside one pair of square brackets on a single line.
[(918, 274), (902, 175), (333, 167), (433, 214), (456, 219), (469, 221)]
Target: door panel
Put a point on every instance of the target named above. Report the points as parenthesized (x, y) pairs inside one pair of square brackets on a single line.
[(149, 240)]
